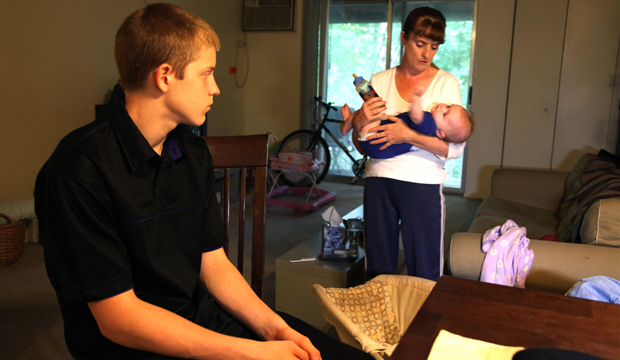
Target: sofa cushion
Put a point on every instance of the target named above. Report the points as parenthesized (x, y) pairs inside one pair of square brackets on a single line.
[(601, 223), (496, 211)]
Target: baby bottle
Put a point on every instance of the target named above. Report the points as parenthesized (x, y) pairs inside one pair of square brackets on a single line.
[(365, 90)]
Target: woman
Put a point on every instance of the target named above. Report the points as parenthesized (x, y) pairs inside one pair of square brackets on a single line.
[(408, 187)]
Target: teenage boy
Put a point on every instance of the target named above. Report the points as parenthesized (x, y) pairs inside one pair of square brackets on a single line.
[(132, 230)]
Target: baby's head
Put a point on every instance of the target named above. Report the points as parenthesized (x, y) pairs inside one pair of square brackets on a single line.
[(454, 123)]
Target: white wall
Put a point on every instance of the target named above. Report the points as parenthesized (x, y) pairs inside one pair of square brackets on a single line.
[(490, 92), (545, 85)]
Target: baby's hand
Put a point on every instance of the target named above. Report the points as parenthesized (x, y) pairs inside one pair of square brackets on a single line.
[(365, 130), (418, 89), (416, 113), (415, 97)]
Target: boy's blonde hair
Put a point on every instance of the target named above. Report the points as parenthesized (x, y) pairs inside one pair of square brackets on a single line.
[(463, 132), (159, 34)]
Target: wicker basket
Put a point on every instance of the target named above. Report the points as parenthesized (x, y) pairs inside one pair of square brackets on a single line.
[(12, 239)]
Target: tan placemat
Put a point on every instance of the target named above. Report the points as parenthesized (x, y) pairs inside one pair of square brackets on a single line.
[(452, 346)]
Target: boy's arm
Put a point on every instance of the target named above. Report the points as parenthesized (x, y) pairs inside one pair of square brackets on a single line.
[(416, 113), (233, 293), (131, 322)]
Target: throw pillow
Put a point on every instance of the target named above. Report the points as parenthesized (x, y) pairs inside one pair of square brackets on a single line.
[(569, 207), (600, 180), (601, 223)]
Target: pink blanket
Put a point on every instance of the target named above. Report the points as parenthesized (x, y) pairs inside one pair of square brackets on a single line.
[(508, 260)]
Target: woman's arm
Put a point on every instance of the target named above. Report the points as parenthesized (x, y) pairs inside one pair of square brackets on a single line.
[(448, 90), (399, 132), (372, 110)]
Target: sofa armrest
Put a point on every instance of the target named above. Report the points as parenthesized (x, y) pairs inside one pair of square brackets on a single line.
[(556, 268), (540, 188)]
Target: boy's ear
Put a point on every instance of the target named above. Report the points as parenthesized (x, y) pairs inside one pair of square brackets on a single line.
[(440, 134), (162, 76)]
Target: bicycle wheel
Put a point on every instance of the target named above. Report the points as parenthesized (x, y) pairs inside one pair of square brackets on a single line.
[(359, 167), (304, 140)]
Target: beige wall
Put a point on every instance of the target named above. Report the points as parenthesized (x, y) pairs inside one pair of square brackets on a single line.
[(272, 92), (56, 63)]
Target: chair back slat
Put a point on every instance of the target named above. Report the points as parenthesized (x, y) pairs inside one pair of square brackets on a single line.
[(249, 152), (241, 244), (226, 202), (258, 233)]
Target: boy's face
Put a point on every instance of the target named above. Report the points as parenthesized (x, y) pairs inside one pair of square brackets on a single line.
[(447, 118), (190, 99)]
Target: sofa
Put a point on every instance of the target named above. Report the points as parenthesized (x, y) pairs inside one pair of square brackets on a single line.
[(572, 221)]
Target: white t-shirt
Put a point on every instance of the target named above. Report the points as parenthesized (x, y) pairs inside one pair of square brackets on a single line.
[(419, 166)]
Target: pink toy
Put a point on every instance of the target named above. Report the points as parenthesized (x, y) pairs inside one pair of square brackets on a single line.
[(303, 165)]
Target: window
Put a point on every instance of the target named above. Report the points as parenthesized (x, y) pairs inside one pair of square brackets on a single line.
[(357, 42)]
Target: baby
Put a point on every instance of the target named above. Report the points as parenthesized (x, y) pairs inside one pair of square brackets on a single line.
[(449, 122)]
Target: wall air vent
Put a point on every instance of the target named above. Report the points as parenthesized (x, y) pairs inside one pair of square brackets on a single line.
[(268, 14)]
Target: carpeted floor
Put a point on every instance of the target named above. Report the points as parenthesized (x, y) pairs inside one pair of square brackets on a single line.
[(30, 321)]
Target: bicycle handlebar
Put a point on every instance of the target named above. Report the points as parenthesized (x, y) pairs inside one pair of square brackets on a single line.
[(326, 104)]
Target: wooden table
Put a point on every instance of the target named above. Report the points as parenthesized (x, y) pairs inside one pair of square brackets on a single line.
[(513, 317)]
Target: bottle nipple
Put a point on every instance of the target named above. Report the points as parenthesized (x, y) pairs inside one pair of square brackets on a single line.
[(355, 76)]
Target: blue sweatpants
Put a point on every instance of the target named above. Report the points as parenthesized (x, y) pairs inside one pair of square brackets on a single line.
[(420, 210)]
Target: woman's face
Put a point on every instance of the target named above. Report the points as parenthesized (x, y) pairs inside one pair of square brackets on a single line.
[(419, 51)]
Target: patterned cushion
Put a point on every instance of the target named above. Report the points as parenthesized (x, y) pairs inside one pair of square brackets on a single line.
[(370, 307)]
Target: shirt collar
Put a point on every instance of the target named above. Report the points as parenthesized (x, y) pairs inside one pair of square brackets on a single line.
[(132, 143)]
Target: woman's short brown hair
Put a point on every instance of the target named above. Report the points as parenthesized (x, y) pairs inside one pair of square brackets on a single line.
[(425, 21), (159, 34)]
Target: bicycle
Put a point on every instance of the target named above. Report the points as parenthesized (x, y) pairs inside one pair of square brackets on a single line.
[(313, 142)]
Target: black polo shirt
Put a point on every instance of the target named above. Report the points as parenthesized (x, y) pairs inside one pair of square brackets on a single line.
[(114, 215)]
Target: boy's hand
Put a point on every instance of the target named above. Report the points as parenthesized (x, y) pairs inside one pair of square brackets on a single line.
[(287, 343)]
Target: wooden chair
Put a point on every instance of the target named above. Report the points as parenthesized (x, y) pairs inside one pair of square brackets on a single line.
[(245, 152)]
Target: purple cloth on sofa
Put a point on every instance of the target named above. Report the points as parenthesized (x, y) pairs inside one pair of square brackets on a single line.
[(508, 260)]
